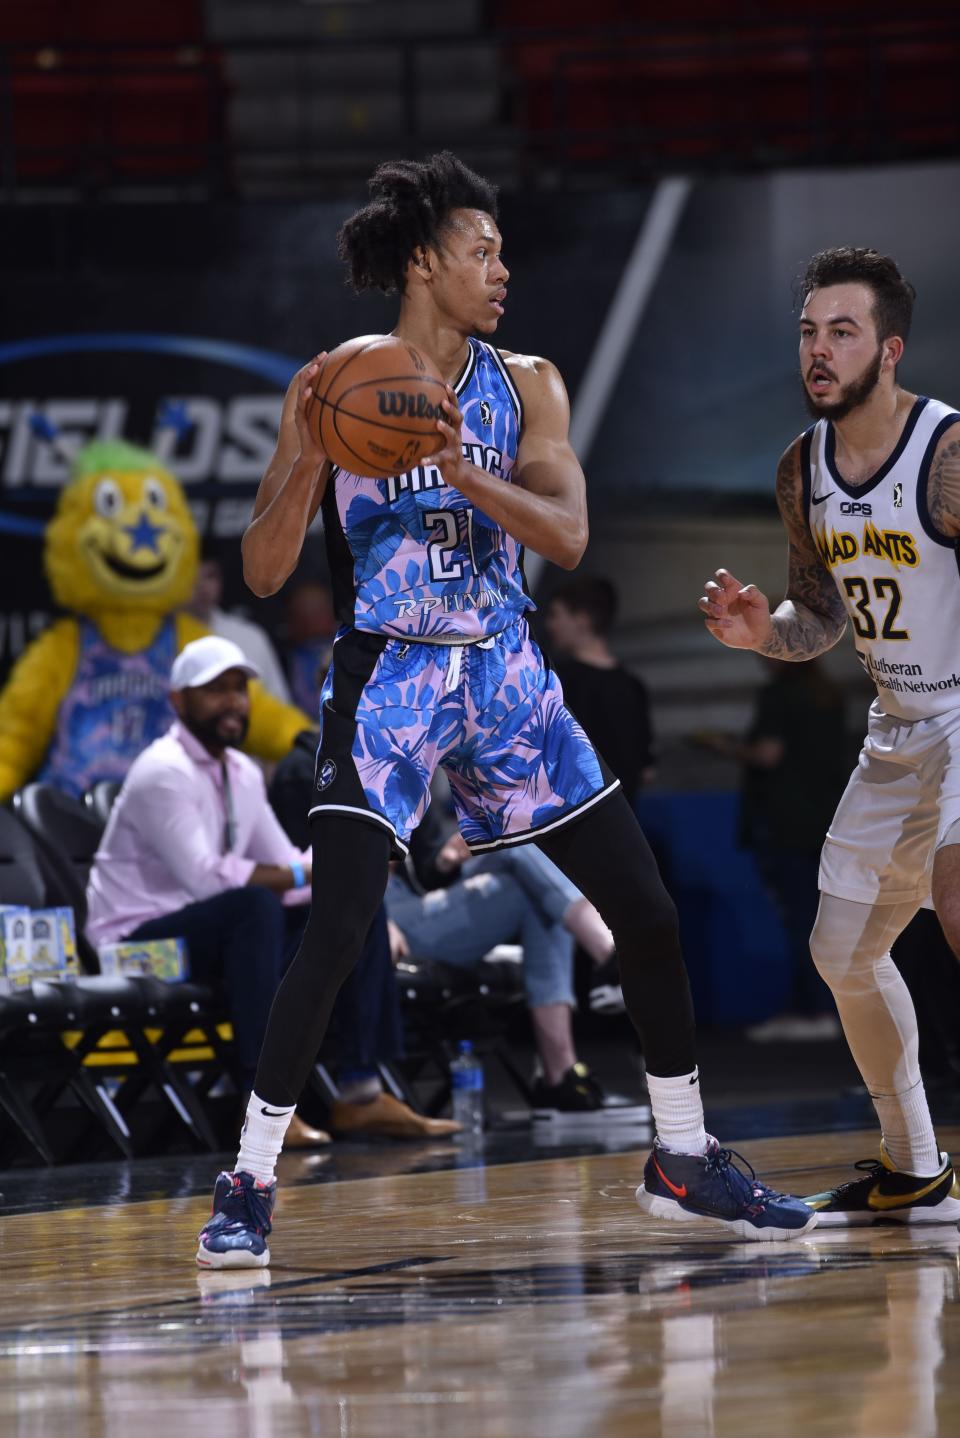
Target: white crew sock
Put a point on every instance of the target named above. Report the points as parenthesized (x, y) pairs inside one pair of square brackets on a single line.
[(678, 1112), (907, 1130), (262, 1137)]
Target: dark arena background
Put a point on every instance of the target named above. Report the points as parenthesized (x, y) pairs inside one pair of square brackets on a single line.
[(173, 178)]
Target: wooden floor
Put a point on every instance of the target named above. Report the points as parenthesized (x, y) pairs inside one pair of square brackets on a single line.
[(527, 1299)]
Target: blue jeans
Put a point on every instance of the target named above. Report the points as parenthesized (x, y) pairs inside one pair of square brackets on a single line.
[(488, 906), (545, 885)]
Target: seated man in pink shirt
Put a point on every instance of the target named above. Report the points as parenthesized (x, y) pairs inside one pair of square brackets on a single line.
[(193, 849)]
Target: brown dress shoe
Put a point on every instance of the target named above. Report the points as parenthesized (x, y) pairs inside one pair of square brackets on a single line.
[(301, 1135), (387, 1117)]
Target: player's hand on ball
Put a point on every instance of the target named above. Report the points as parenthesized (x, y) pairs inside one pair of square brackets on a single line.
[(736, 614), (449, 459), (310, 450)]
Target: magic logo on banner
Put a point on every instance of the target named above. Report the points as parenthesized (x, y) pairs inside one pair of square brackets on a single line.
[(178, 395)]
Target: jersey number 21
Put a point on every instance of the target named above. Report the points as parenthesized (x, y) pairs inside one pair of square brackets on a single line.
[(444, 536)]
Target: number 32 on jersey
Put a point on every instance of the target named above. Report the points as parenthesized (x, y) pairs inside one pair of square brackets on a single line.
[(882, 603)]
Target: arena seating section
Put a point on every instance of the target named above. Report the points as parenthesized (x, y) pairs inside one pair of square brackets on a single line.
[(678, 91), (100, 92), (249, 96)]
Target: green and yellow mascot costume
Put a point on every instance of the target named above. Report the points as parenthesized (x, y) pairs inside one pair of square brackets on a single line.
[(92, 691)]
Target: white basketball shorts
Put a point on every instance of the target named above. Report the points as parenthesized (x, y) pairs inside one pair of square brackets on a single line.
[(902, 800)]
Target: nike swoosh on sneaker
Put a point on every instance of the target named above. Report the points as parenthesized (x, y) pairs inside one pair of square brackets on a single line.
[(880, 1200), (819, 498), (679, 1192)]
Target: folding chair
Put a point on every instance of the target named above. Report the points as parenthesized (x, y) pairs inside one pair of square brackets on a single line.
[(127, 1028), (443, 1004), (99, 800), (36, 1068)]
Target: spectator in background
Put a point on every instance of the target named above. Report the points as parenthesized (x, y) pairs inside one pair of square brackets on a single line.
[(253, 639), (366, 1023), (608, 701), (794, 762), (193, 850), (310, 626), (455, 909)]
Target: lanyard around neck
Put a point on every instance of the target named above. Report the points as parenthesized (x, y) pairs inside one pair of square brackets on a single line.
[(230, 815)]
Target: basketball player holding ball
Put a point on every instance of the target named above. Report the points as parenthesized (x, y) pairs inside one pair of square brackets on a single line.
[(434, 664)]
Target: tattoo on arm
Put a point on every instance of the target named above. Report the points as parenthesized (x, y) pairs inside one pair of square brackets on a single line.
[(943, 485), (812, 617), (800, 632)]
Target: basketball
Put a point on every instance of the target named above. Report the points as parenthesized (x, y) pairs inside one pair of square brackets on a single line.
[(375, 406)]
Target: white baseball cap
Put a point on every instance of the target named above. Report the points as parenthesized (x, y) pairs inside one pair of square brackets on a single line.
[(203, 660)]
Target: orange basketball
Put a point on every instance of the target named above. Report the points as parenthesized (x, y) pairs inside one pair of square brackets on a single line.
[(375, 406)]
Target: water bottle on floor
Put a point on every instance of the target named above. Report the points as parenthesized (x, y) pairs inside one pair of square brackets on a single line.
[(466, 1079)]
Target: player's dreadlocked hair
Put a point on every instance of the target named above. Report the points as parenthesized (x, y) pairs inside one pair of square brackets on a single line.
[(410, 202), (893, 296)]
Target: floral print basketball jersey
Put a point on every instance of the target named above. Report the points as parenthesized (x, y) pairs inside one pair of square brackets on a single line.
[(414, 559)]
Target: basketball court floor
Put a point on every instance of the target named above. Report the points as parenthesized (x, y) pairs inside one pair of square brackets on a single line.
[(492, 1291)]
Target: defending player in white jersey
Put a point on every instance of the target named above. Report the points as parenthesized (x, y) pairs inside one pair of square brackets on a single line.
[(870, 497)]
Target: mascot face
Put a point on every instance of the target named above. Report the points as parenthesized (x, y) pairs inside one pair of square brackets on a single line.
[(122, 537)]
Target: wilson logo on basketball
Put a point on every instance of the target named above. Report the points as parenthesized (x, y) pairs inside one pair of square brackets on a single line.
[(376, 408), (409, 406)]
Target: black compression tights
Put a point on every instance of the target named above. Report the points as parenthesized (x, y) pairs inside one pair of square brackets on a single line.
[(350, 868), (604, 854)]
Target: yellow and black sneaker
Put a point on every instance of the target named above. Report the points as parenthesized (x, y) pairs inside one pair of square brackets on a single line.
[(884, 1193), (579, 1099)]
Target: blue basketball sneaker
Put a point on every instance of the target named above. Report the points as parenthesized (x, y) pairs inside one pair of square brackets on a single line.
[(235, 1234), (686, 1186)]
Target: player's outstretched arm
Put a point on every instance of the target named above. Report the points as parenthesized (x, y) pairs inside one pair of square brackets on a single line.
[(545, 508), (811, 618), (289, 494)]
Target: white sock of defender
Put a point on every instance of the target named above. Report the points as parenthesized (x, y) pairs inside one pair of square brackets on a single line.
[(908, 1131), (678, 1112), (261, 1140)]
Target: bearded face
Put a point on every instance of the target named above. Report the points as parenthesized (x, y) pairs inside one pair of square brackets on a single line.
[(827, 398)]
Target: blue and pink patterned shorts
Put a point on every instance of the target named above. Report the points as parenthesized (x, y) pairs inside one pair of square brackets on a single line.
[(491, 713)]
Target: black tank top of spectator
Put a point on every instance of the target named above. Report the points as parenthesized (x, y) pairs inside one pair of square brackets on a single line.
[(790, 805), (612, 707)]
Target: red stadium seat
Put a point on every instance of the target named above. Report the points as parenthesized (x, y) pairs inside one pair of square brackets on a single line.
[(762, 93), (100, 92), (62, 22)]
